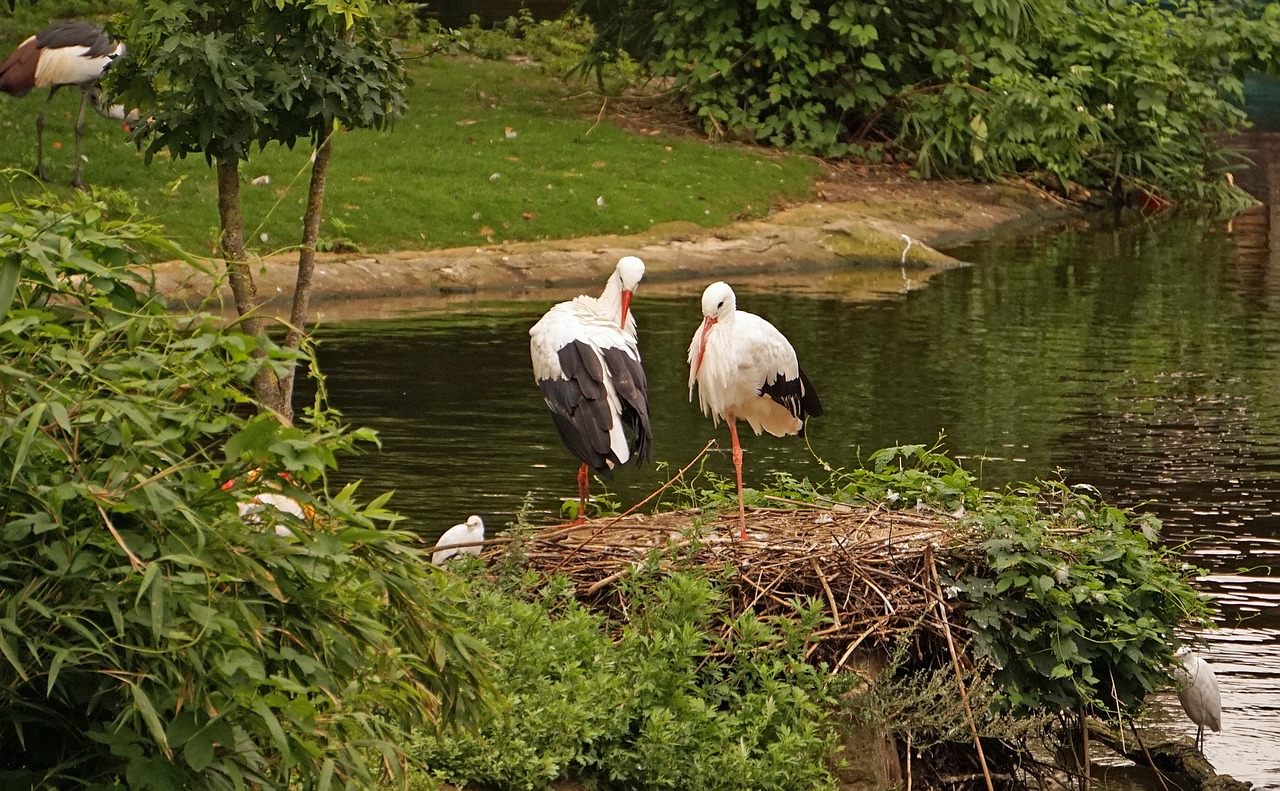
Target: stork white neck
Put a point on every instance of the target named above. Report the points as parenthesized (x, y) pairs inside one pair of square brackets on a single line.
[(616, 297)]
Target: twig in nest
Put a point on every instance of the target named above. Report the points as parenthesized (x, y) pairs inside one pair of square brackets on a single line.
[(632, 509), (955, 661)]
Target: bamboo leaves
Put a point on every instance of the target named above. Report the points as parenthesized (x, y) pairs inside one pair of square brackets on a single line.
[(164, 640)]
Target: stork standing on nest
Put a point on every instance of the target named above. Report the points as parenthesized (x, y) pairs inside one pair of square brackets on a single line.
[(66, 53), (587, 364), (745, 368)]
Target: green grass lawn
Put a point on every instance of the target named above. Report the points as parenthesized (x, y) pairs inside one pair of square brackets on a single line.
[(488, 152)]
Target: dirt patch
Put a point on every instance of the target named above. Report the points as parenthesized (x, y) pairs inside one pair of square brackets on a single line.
[(849, 239)]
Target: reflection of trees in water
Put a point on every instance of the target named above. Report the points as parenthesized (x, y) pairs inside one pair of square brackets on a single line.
[(1255, 268)]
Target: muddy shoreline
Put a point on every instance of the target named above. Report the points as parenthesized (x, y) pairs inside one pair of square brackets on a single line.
[(850, 239)]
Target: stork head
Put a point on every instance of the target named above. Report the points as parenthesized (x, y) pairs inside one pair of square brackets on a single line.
[(718, 302), (629, 272)]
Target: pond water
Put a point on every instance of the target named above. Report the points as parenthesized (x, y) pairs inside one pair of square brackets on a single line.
[(1142, 358)]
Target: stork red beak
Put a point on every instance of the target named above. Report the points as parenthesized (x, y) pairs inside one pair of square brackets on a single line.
[(707, 324), (626, 306)]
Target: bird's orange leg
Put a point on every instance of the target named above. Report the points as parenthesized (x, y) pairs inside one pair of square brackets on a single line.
[(737, 467), (584, 490)]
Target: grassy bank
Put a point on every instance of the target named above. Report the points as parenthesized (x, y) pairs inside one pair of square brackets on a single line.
[(489, 151)]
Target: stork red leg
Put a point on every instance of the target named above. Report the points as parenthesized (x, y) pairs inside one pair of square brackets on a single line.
[(584, 491), (737, 468)]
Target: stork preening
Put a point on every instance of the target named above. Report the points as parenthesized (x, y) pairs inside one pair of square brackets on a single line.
[(745, 368), (67, 53), (1198, 692), (468, 532), (587, 364)]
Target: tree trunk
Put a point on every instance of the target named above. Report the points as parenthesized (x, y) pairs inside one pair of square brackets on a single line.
[(306, 261), (245, 291)]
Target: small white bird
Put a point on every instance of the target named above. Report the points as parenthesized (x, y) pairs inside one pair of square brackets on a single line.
[(66, 53), (251, 511), (468, 532), (586, 362), (1198, 692), (745, 368)]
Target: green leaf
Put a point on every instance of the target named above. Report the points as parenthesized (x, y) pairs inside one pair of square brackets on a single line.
[(10, 271), (33, 424), (149, 715)]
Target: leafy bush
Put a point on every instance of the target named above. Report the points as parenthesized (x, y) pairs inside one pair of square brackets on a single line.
[(555, 44), (657, 708), (151, 638), (1074, 602), (1111, 95)]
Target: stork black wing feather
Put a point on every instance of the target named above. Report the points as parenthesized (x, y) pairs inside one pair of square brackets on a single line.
[(632, 387), (797, 395), (579, 407)]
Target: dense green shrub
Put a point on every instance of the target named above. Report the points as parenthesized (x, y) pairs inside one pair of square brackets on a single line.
[(1113, 95), (1075, 603), (151, 637), (659, 707)]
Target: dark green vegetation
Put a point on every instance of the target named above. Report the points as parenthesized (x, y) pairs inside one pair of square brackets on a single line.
[(1113, 95), (151, 636), (650, 703), (1072, 605)]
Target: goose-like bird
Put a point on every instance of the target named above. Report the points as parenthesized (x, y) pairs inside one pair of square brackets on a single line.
[(1198, 692), (745, 368), (468, 532), (587, 365), (67, 53)]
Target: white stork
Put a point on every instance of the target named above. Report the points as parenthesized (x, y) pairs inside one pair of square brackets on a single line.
[(587, 365), (745, 368), (66, 53), (1198, 692), (468, 532)]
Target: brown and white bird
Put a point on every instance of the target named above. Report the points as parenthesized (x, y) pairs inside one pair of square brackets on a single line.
[(587, 364), (745, 368), (67, 53)]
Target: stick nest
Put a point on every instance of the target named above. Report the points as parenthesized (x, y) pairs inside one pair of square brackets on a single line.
[(875, 569)]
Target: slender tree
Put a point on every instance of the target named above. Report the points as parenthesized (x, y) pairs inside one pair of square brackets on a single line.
[(218, 78)]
